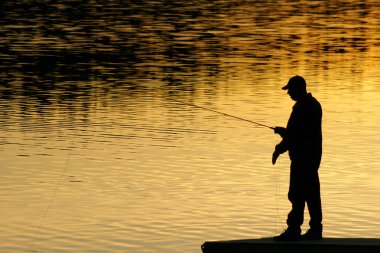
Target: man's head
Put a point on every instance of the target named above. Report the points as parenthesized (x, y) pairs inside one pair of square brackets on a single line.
[(296, 87)]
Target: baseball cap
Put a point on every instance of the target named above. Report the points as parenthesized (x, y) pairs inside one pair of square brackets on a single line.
[(295, 81)]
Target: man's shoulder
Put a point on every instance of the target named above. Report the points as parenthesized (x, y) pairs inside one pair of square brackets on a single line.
[(312, 99), (309, 104), (315, 106)]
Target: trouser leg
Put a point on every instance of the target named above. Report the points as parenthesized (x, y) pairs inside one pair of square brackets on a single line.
[(314, 203), (295, 216), (296, 197)]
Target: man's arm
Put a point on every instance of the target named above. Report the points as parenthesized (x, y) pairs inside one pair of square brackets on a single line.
[(282, 147), (281, 131)]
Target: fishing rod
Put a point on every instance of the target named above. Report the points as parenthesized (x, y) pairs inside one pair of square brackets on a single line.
[(222, 113)]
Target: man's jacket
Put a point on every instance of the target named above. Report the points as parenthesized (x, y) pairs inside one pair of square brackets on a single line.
[(303, 138)]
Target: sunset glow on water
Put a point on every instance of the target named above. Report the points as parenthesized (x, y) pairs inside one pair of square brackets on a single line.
[(97, 157)]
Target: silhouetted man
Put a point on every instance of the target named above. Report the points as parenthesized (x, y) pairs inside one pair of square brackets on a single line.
[(302, 138)]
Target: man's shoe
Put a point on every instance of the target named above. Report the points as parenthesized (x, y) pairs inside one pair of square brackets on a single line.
[(289, 235), (312, 235)]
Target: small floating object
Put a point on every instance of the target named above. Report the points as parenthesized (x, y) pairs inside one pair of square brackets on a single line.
[(264, 245)]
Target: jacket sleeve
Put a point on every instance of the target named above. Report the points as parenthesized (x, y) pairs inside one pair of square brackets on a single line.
[(282, 147)]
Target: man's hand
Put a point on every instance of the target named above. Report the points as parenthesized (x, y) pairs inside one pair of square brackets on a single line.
[(280, 130), (275, 155)]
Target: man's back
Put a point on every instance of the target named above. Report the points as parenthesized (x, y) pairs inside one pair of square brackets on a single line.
[(305, 130)]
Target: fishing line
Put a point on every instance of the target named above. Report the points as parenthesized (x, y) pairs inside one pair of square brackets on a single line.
[(277, 180), (250, 121), (37, 234), (222, 113)]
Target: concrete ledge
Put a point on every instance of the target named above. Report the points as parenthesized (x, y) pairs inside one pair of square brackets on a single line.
[(266, 245)]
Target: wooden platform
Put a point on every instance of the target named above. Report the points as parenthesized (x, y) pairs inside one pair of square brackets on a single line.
[(267, 245)]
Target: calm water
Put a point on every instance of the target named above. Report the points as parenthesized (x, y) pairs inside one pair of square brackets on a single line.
[(95, 157)]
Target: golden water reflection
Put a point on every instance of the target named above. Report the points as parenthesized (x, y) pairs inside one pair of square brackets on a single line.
[(96, 158)]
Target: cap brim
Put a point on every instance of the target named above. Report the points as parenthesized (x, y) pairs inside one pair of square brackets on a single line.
[(286, 87)]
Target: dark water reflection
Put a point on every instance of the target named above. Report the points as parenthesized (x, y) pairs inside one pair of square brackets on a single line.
[(47, 43), (89, 141)]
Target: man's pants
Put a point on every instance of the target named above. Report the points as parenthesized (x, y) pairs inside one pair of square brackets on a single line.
[(304, 188)]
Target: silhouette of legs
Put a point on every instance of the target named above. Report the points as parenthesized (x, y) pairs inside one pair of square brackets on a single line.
[(304, 187), (314, 204)]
